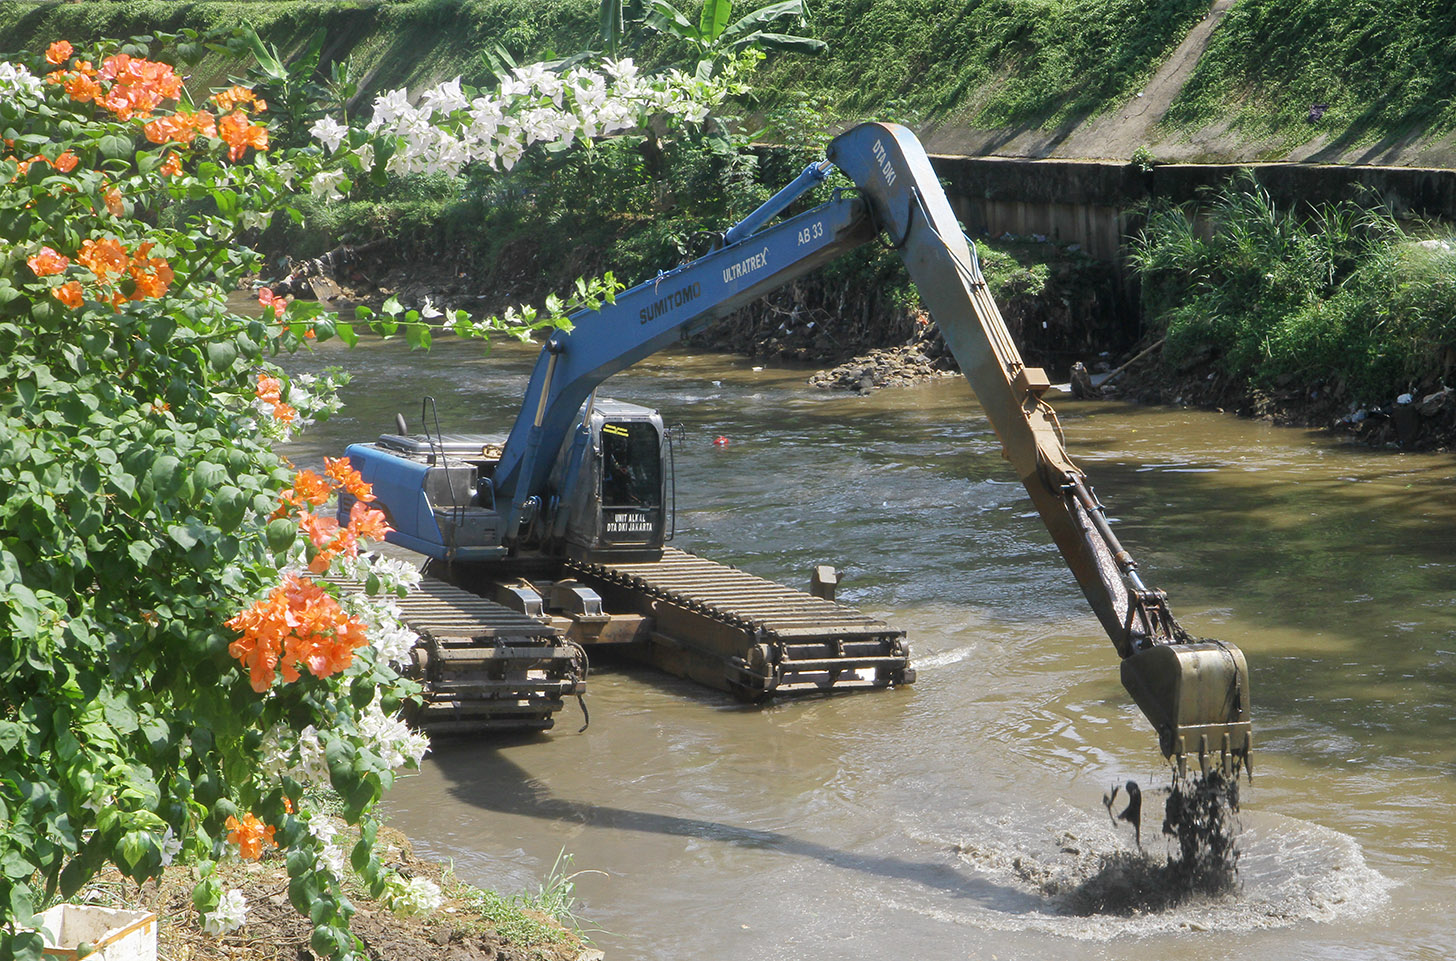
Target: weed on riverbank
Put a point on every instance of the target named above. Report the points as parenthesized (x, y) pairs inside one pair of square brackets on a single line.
[(469, 924), (1337, 303)]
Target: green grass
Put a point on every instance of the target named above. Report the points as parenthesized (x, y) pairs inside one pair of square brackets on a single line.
[(518, 919), (392, 43), (994, 63), (1383, 68)]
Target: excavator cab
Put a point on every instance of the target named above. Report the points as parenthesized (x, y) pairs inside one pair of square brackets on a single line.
[(615, 476)]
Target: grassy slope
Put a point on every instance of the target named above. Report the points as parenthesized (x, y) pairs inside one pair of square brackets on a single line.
[(1385, 68), (391, 44), (992, 62)]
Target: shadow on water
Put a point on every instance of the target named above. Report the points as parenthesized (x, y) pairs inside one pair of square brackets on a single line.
[(486, 779), (1117, 884)]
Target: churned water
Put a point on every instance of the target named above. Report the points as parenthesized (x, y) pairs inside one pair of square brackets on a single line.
[(962, 817)]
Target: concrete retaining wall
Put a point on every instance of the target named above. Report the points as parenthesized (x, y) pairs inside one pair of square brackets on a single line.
[(1099, 203)]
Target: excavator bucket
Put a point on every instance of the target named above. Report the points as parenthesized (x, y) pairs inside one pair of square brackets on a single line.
[(1197, 696)]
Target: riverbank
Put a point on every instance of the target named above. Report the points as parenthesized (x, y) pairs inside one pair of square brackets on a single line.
[(1421, 419), (1062, 308), (469, 924)]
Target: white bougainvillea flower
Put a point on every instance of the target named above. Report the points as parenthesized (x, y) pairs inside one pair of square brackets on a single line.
[(325, 185), (329, 132), (230, 914)]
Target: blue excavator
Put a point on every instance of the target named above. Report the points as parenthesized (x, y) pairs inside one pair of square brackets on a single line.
[(564, 520)]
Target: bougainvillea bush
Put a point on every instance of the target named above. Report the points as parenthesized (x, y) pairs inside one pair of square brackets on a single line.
[(177, 674)]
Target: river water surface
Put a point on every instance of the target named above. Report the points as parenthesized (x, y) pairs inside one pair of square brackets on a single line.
[(937, 821)]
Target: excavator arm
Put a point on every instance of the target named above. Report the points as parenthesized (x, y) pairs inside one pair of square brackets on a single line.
[(1195, 692)]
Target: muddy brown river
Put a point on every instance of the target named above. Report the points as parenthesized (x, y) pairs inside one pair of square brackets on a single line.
[(938, 821)]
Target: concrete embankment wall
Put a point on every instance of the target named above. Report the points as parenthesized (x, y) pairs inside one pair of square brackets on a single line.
[(1100, 204)]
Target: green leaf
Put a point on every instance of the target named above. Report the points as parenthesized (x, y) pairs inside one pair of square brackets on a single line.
[(141, 552), (73, 876), (281, 534), (418, 336), (166, 474), (666, 18), (714, 18), (207, 895), (22, 905), (11, 737), (114, 147), (187, 535), (14, 865), (611, 25), (222, 355), (209, 474), (787, 42), (231, 507), (756, 20)]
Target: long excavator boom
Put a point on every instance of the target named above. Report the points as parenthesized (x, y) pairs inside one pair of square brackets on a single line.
[(1195, 692)]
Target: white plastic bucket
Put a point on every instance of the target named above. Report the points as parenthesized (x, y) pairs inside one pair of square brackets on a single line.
[(113, 934)]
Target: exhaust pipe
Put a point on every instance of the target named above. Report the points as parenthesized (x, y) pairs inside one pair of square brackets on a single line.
[(1197, 697)]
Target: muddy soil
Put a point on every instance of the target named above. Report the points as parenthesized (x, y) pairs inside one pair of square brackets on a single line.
[(275, 931)]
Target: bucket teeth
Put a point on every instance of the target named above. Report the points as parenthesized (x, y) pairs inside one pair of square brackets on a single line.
[(1197, 697)]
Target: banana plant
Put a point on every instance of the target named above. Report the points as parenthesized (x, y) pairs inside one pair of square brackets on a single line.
[(716, 36)]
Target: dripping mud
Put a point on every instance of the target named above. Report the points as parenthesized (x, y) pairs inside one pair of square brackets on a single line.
[(1200, 826), (1199, 819)]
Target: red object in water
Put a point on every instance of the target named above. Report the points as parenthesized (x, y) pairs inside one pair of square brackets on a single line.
[(720, 441)]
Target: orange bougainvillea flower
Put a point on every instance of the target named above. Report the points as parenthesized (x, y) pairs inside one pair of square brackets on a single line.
[(239, 133), (66, 162), (342, 473), (69, 294), (103, 257), (176, 128), (272, 302), (285, 413), (181, 127), (308, 489), (82, 88), (250, 834), (114, 204), (269, 390), (138, 86), (172, 166), (233, 97), (151, 275), (48, 262), (368, 523), (322, 531), (58, 52), (298, 623)]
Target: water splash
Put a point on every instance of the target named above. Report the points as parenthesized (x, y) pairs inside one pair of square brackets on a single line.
[(1199, 816)]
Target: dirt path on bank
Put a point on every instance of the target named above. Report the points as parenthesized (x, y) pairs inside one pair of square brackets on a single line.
[(1115, 135), (1111, 136)]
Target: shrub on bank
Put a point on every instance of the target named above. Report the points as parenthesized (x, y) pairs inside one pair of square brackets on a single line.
[(1336, 294), (177, 672)]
